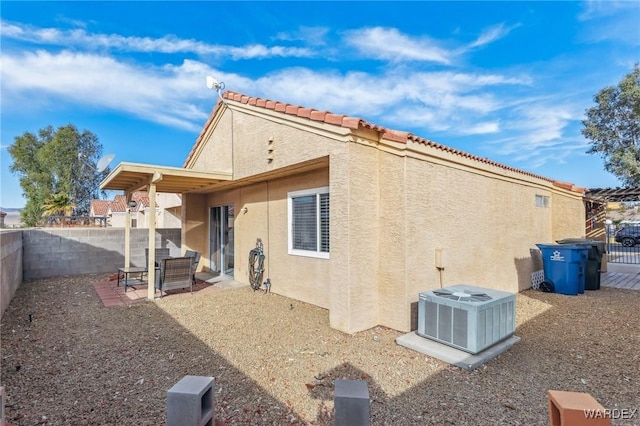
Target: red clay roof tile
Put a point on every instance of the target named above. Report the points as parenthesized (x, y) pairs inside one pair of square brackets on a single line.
[(354, 123), (396, 136), (100, 207), (351, 122), (317, 115), (333, 119), (304, 112)]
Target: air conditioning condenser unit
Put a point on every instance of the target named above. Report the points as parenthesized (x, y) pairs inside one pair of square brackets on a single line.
[(466, 317)]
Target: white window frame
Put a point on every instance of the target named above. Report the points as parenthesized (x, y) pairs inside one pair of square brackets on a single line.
[(290, 196), (543, 201)]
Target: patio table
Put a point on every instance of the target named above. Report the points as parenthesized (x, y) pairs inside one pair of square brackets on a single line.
[(126, 271)]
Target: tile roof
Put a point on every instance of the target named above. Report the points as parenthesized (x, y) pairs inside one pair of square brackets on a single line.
[(141, 197), (356, 123), (100, 207), (119, 203)]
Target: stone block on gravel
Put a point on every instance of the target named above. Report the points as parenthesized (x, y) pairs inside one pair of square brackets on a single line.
[(351, 402), (190, 402)]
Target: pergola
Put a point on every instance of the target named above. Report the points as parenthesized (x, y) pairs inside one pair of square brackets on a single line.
[(613, 194), (130, 177)]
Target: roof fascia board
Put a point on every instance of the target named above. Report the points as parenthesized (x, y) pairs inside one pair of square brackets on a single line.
[(150, 172)]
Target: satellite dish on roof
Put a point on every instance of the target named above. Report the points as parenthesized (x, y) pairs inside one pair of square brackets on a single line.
[(104, 162), (214, 84)]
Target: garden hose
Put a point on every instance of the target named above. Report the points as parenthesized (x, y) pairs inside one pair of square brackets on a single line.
[(256, 265)]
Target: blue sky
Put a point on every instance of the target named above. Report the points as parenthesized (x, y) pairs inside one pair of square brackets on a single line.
[(505, 80)]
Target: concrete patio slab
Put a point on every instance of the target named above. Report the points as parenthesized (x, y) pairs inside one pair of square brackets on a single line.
[(621, 275), (452, 355)]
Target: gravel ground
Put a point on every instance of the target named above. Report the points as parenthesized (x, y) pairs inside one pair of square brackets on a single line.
[(275, 359)]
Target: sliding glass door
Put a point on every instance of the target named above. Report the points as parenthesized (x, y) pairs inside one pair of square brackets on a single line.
[(221, 240)]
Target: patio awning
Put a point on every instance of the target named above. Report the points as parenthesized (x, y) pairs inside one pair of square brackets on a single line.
[(131, 177), (614, 194)]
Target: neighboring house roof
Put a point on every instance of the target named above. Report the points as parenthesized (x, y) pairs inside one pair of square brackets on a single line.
[(141, 198), (100, 207), (119, 203), (355, 123)]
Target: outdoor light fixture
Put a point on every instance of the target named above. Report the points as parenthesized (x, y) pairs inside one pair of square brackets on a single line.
[(132, 204)]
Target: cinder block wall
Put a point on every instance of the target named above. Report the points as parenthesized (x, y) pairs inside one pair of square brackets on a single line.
[(10, 266), (51, 252)]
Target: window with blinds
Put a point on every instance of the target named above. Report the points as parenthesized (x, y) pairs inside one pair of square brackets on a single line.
[(309, 222)]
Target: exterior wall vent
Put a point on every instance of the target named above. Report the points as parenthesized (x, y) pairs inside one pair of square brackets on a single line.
[(466, 317)]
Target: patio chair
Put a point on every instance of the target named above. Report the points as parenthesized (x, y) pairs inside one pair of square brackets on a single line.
[(161, 254), (195, 255), (175, 272)]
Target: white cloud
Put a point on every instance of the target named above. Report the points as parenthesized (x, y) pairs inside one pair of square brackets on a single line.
[(492, 34), (163, 95), (390, 44), (166, 44), (482, 128), (408, 98), (309, 35), (539, 131), (593, 9), (490, 106), (616, 21)]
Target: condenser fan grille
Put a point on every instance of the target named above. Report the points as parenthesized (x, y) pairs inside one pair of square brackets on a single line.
[(466, 317), (463, 296)]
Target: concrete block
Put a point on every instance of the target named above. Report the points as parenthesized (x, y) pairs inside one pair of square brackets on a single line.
[(351, 402), (190, 402), (575, 409)]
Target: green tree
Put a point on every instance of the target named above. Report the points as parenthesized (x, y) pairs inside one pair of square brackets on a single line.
[(613, 127), (58, 204), (54, 162)]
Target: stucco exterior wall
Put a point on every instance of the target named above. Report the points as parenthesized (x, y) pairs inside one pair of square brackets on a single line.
[(565, 209), (216, 152), (298, 277), (354, 194), (247, 140), (168, 212), (483, 225), (195, 229), (394, 250), (393, 207), (117, 220)]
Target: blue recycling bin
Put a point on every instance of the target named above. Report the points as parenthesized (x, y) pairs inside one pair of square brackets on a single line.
[(564, 265)]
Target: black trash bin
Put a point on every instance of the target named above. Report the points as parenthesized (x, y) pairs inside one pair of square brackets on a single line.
[(594, 260)]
